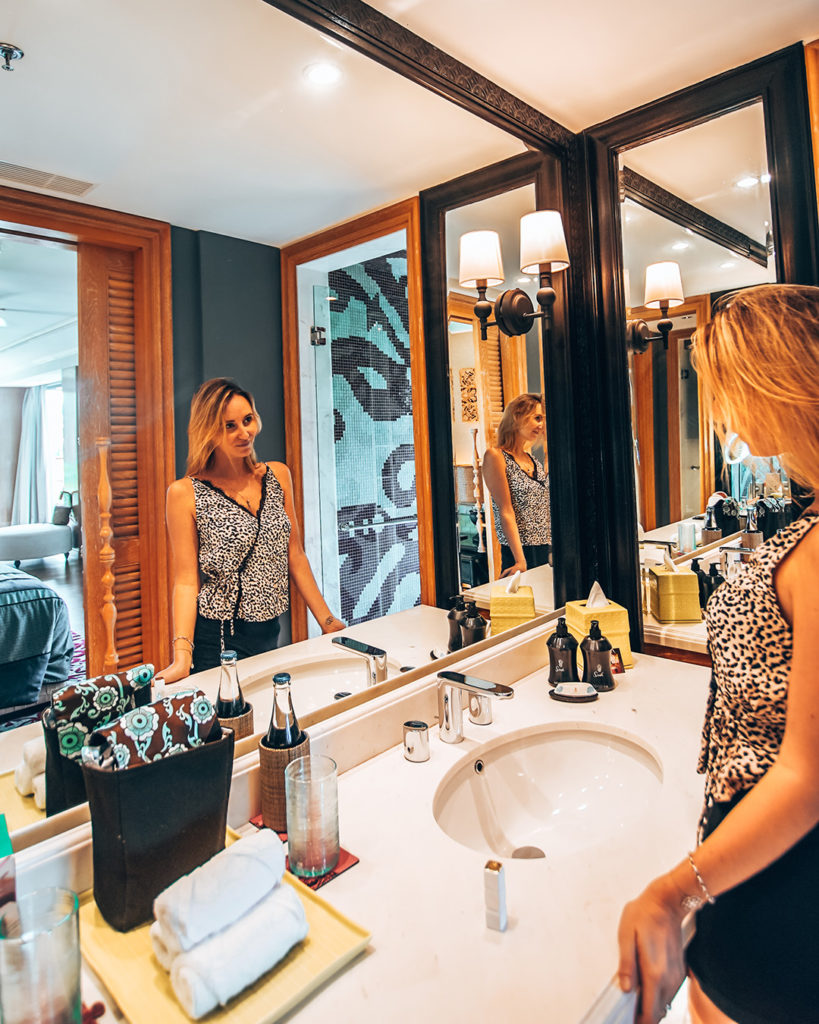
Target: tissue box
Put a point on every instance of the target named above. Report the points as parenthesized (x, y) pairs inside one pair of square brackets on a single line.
[(673, 596), (613, 619), (509, 610)]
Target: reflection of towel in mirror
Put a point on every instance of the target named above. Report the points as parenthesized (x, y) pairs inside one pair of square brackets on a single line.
[(220, 967), (220, 891), (33, 763)]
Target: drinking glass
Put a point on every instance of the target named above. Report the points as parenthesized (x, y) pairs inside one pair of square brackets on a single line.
[(40, 959), (311, 793)]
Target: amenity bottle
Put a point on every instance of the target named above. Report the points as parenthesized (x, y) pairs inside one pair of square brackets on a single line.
[(597, 659), (456, 615), (473, 625), (710, 531), (562, 655)]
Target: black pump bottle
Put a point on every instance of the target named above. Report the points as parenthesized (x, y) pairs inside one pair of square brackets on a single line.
[(473, 625), (562, 655), (456, 615), (597, 659)]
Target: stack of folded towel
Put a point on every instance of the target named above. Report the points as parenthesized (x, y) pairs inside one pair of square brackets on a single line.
[(218, 929), (29, 775)]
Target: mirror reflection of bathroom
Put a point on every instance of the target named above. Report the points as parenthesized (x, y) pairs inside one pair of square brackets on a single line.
[(40, 508), (485, 376), (700, 198), (358, 445)]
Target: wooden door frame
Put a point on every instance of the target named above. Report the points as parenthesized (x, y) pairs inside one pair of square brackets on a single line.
[(150, 243), (402, 216)]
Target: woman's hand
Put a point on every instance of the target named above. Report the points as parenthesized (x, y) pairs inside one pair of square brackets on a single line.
[(517, 567), (180, 668), (333, 625), (651, 948)]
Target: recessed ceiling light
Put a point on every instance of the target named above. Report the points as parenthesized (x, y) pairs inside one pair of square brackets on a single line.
[(323, 73), (727, 266), (765, 179), (679, 246), (3, 322), (748, 181), (524, 280)]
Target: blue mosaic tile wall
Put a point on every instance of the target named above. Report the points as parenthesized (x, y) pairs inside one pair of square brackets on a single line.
[(374, 448)]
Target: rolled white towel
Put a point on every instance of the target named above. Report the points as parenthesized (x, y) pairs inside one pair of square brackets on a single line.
[(219, 968), (39, 791), (34, 755), (23, 779), (159, 945), (219, 892)]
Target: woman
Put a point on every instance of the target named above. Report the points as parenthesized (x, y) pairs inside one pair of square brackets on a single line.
[(519, 486), (234, 538), (756, 871)]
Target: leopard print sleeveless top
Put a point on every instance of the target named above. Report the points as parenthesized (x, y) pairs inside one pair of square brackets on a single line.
[(751, 647), (243, 563), (530, 501)]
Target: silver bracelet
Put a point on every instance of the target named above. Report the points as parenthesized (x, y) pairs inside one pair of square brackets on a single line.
[(706, 895)]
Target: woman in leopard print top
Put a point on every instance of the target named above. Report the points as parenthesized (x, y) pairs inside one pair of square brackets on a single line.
[(235, 538), (755, 874)]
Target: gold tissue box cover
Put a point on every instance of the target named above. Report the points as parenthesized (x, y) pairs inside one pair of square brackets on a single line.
[(509, 610), (673, 596), (613, 621)]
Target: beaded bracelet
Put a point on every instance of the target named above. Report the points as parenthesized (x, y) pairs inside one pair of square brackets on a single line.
[(187, 640)]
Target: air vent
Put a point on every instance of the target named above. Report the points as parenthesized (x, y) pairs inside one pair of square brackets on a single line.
[(43, 179)]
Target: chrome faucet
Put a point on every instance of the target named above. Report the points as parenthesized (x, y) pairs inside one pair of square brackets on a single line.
[(451, 689), (375, 657)]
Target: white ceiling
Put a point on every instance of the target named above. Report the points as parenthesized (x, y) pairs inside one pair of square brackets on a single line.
[(197, 112)]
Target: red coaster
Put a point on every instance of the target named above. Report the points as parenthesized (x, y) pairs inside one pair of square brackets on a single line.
[(346, 860)]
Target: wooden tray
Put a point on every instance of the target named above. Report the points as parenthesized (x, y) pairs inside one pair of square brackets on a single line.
[(124, 963), (19, 810)]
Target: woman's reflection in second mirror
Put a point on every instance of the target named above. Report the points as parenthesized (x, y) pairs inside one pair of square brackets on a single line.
[(519, 485)]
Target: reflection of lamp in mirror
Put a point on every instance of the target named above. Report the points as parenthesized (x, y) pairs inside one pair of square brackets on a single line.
[(481, 267), (542, 251), (664, 290)]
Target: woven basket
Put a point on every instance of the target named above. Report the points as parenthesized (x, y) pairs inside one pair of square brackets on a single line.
[(272, 763), (242, 725)]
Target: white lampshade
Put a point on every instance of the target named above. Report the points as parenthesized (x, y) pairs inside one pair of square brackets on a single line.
[(480, 259), (663, 284), (542, 241)]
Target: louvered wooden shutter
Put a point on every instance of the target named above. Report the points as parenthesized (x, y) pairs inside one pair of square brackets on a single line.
[(108, 409), (491, 383)]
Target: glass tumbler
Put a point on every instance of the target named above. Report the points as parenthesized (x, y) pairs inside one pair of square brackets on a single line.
[(40, 959), (311, 793)]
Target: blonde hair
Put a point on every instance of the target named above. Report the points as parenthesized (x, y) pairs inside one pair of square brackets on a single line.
[(206, 428), (514, 414), (759, 357)]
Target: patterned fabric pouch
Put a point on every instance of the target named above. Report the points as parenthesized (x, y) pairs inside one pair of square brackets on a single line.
[(76, 710), (172, 725)]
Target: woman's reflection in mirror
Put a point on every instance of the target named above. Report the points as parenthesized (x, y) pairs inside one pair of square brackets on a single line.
[(234, 537), (519, 485)]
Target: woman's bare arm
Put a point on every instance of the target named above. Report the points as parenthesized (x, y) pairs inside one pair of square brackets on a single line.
[(180, 515), (494, 473), (300, 571), (780, 809)]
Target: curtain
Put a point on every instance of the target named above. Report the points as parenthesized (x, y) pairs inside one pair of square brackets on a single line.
[(30, 504)]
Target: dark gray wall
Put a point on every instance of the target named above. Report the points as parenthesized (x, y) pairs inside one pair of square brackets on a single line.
[(227, 323)]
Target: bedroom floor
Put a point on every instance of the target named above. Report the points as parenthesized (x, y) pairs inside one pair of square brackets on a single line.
[(66, 579)]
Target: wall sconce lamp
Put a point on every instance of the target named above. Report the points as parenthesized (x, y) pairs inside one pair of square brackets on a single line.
[(664, 290), (542, 251)]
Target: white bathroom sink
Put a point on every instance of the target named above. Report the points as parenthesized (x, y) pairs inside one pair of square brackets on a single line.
[(549, 790)]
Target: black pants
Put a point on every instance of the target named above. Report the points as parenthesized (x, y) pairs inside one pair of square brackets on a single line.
[(247, 639), (535, 554), (756, 949)]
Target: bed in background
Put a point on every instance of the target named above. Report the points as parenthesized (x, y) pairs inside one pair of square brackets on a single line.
[(35, 637)]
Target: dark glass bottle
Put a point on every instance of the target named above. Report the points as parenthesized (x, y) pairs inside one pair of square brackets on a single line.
[(597, 659), (702, 581), (230, 702), (714, 578), (562, 655), (284, 728), (456, 615), (473, 625)]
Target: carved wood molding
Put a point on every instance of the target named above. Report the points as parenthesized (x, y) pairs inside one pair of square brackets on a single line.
[(376, 36), (108, 609), (654, 197)]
